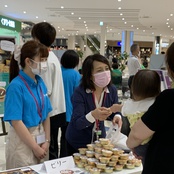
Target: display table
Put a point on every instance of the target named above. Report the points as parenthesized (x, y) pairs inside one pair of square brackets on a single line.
[(37, 168)]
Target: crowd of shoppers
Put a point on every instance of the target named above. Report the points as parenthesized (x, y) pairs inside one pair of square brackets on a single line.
[(45, 95)]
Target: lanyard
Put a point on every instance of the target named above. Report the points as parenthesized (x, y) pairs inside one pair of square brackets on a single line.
[(38, 107), (104, 98)]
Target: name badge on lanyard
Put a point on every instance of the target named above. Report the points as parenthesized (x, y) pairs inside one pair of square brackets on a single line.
[(97, 130)]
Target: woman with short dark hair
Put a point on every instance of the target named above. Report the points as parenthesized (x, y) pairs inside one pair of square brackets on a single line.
[(91, 104)]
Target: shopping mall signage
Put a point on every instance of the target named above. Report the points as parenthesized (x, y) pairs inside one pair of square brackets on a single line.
[(10, 24)]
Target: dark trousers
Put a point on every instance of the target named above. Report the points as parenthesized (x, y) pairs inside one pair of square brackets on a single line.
[(56, 122), (129, 84)]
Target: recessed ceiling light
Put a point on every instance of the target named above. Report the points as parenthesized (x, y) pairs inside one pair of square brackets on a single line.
[(168, 26), (5, 5), (119, 0), (24, 12), (167, 23), (37, 17), (153, 33), (62, 7), (85, 22), (137, 28), (132, 25), (121, 14), (143, 30), (171, 28), (125, 22), (123, 19), (44, 20), (171, 14), (80, 18), (167, 19), (72, 13), (119, 8)]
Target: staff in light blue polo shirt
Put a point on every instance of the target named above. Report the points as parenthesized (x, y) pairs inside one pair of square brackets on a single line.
[(27, 107)]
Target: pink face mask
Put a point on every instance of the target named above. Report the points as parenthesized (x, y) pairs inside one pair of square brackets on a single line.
[(102, 79)]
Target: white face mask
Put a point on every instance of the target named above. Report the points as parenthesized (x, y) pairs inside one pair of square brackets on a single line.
[(40, 69)]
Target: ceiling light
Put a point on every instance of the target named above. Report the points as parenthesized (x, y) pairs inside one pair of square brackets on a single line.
[(119, 8), (72, 13), (153, 33), (168, 26), (132, 25), (171, 28), (37, 17), (119, 0), (84, 21), (5, 5), (121, 14), (143, 30), (123, 19), (137, 28), (44, 20), (125, 22), (167, 19), (24, 12), (171, 14), (62, 7), (167, 23), (80, 18)]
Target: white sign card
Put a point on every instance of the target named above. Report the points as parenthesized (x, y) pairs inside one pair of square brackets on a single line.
[(7, 45), (55, 166)]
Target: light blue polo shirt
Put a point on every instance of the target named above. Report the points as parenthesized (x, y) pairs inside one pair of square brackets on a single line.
[(71, 79), (20, 104)]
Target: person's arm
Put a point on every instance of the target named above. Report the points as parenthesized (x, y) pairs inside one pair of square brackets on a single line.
[(117, 120), (137, 65), (26, 137), (116, 108), (46, 126), (139, 132)]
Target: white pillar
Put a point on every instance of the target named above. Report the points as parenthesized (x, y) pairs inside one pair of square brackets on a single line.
[(103, 39), (126, 41), (157, 45), (71, 42)]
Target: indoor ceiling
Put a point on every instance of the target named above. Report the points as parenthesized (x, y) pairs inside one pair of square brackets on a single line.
[(79, 17)]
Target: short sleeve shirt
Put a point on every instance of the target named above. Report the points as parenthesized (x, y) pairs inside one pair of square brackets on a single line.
[(21, 105)]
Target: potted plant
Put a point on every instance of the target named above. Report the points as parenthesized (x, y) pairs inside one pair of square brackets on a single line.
[(122, 59)]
